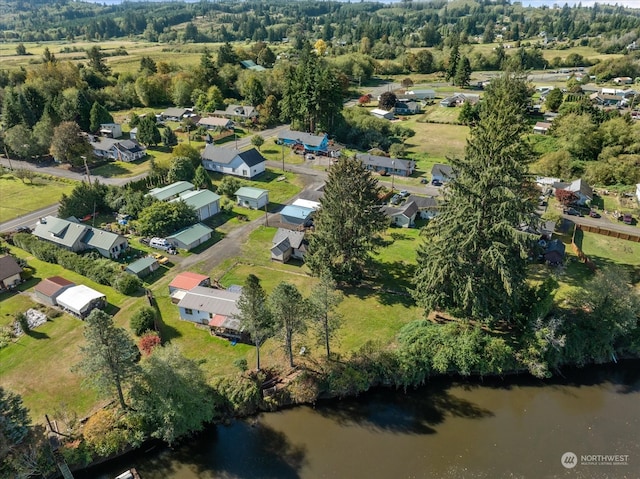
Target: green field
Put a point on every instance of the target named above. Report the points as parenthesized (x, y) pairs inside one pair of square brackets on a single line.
[(20, 198)]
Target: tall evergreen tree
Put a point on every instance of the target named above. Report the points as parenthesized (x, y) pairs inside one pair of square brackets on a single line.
[(148, 132), (452, 65), (254, 314), (463, 72), (169, 137), (98, 116), (201, 179), (323, 302), (472, 259), (347, 223), (287, 307), (109, 357)]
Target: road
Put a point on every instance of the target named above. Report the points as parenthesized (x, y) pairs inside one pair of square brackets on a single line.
[(603, 222)]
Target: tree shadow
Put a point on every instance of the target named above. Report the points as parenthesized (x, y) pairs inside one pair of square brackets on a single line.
[(32, 333), (167, 333), (417, 412)]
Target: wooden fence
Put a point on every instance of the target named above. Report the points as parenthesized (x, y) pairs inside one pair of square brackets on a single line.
[(607, 232)]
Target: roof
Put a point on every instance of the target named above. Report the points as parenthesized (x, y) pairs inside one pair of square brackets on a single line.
[(214, 121), (77, 297), (297, 212), (251, 192), (211, 300), (409, 209), (380, 112), (555, 246), (423, 201), (198, 198), (190, 234), (102, 143), (9, 267), (443, 170), (60, 231), (252, 157), (140, 265), (177, 112), (50, 286), (280, 247), (168, 191), (132, 146), (293, 238), (218, 154), (301, 137), (251, 65), (187, 280), (542, 125), (101, 239), (581, 186), (240, 110), (385, 162), (314, 205)]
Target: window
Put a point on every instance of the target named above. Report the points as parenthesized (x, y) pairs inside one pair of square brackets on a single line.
[(244, 172), (233, 170), (210, 316), (188, 311)]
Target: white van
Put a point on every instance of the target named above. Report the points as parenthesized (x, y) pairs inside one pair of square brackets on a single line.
[(160, 243)]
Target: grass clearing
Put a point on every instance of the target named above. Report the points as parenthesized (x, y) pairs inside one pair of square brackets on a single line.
[(20, 198), (122, 169)]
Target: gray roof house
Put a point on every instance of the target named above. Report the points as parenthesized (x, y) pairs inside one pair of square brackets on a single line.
[(229, 161), (297, 215), (9, 272), (390, 166), (421, 94), (406, 107), (403, 216), (241, 112), (111, 130), (75, 236), (118, 150), (427, 206), (579, 187), (216, 308), (206, 203), (213, 122), (174, 114), (287, 244), (171, 191), (441, 172), (50, 288), (554, 253), (250, 197)]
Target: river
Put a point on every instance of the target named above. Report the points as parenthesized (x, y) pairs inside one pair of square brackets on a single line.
[(519, 427)]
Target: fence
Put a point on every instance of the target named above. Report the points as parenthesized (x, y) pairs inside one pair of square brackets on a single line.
[(635, 237)]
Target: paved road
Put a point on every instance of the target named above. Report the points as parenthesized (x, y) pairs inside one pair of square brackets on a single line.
[(603, 222)]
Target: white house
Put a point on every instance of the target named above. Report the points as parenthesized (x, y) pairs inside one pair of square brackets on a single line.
[(427, 206), (216, 308), (174, 114), (111, 130), (205, 203), (228, 161), (638, 192), (80, 300), (580, 188), (213, 122), (250, 197), (118, 150), (442, 173), (403, 216)]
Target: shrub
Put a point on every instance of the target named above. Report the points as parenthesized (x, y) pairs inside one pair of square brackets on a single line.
[(23, 322), (127, 284), (143, 320), (148, 342)]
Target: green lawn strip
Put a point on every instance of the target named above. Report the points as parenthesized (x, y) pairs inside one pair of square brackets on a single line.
[(12, 303), (603, 250), (20, 198), (274, 152), (435, 139), (122, 169)]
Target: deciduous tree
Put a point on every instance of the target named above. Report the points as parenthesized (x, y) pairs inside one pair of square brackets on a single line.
[(387, 101), (69, 145), (257, 141), (161, 219)]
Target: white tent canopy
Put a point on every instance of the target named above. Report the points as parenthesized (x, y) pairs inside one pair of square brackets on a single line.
[(80, 299)]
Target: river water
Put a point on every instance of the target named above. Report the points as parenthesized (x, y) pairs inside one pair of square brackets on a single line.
[(517, 428)]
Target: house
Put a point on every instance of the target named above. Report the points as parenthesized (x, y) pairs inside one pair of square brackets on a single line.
[(229, 161), (191, 236), (383, 114), (216, 308), (205, 203), (541, 127), (213, 122), (80, 300), (251, 65), (308, 142), (143, 267), (287, 244), (406, 107), (171, 191), (442, 173), (9, 273), (554, 254), (638, 192), (75, 236), (427, 206), (605, 99), (547, 229), (250, 197), (174, 114), (187, 280), (297, 215), (403, 216), (385, 165), (239, 112), (422, 94), (623, 80), (458, 99), (579, 187), (111, 130), (133, 133), (49, 289), (117, 150)]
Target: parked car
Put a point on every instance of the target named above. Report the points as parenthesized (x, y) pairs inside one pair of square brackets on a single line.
[(404, 193), (627, 219), (144, 241), (23, 229), (160, 243), (594, 214), (396, 199), (436, 182), (160, 258), (572, 212)]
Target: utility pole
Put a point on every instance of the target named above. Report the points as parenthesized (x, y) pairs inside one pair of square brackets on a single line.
[(6, 153), (266, 216), (393, 171), (283, 157)]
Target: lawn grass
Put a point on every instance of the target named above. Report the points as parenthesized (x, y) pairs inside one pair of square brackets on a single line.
[(19, 198), (122, 169)]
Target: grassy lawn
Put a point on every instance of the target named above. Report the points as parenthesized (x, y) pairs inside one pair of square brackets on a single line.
[(273, 152), (19, 198), (122, 169)]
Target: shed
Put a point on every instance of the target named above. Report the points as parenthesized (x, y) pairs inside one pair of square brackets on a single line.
[(296, 215), (171, 191), (143, 267), (287, 244), (49, 289), (80, 300), (205, 203), (554, 253), (383, 114), (9, 272), (250, 197), (191, 236)]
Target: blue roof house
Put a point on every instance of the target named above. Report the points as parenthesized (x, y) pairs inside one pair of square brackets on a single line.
[(309, 141), (296, 215)]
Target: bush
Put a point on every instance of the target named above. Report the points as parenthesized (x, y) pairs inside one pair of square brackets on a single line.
[(148, 342), (127, 284), (143, 320)]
